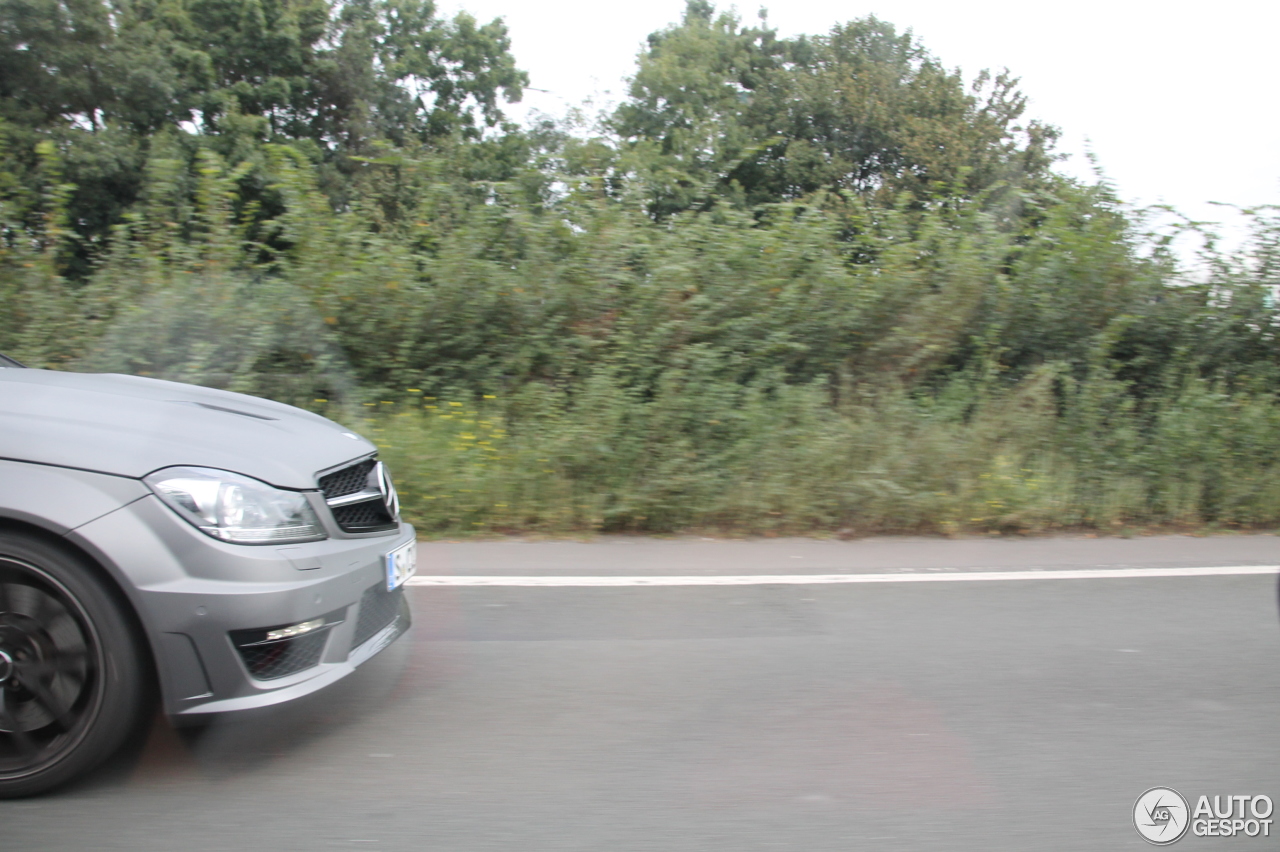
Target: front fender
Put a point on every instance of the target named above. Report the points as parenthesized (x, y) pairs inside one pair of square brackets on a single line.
[(59, 499)]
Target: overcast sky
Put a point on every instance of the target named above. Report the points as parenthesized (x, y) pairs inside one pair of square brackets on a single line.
[(1177, 101)]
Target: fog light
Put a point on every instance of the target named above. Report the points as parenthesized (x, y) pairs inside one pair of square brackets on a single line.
[(294, 630)]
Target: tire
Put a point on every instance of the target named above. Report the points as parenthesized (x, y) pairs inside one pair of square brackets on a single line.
[(74, 677)]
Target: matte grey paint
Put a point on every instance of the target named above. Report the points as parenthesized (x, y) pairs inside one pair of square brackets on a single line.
[(72, 450), (131, 426), (60, 499)]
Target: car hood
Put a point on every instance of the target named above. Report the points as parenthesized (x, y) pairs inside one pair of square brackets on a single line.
[(131, 426)]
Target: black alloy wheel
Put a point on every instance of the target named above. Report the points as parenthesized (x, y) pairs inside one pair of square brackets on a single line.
[(73, 681)]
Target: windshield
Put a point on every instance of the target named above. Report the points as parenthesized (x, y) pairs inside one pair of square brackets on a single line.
[(6, 361)]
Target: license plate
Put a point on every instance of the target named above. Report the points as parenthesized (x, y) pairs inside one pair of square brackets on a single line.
[(401, 564)]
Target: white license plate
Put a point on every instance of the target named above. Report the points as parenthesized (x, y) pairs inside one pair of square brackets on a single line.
[(401, 564)]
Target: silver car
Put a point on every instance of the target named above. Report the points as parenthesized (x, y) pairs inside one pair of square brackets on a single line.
[(226, 551)]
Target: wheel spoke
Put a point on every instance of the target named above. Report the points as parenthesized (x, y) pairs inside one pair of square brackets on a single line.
[(46, 700), (47, 609), (24, 603), (34, 676), (61, 662), (20, 738), (62, 709)]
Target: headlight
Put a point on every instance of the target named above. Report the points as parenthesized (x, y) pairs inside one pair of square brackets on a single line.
[(236, 508)]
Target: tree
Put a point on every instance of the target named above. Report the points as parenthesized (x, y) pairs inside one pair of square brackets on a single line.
[(719, 109), (106, 80)]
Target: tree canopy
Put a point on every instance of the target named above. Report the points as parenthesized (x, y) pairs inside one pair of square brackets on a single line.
[(719, 109), (107, 81)]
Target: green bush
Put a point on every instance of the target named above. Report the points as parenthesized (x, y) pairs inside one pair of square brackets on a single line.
[(541, 354), (780, 458)]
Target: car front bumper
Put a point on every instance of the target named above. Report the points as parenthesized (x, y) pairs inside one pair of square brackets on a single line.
[(207, 606)]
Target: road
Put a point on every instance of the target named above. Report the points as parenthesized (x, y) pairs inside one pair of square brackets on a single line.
[(810, 716)]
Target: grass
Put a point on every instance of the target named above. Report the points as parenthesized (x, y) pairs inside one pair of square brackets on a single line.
[(785, 462)]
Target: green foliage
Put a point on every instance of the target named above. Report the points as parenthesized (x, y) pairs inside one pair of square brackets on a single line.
[(722, 110), (807, 284), (39, 318), (760, 459), (104, 81)]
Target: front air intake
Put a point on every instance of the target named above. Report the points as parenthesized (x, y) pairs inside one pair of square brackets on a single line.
[(378, 608), (275, 652)]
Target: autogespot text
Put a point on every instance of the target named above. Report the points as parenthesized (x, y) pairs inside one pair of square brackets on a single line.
[(1231, 816)]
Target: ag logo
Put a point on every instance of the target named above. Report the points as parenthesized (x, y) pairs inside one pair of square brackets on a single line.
[(1161, 816)]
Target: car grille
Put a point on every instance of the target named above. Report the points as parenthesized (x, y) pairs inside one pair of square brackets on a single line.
[(270, 660), (349, 480), (341, 487), (378, 608), (362, 517)]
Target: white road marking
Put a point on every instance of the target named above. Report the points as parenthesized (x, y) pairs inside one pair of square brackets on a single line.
[(949, 576)]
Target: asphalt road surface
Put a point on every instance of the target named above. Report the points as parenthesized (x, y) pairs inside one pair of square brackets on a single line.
[(687, 714)]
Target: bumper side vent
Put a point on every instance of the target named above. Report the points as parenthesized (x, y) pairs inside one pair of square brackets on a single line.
[(283, 658), (268, 659), (378, 608)]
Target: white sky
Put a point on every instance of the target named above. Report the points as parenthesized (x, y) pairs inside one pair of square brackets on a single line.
[(1177, 100)]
